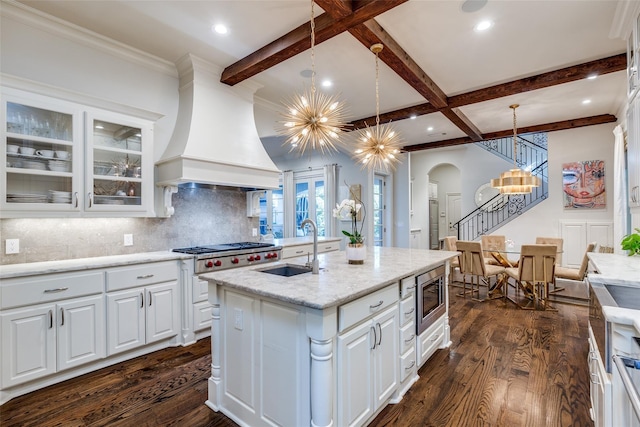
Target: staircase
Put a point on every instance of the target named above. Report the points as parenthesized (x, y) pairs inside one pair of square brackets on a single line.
[(531, 155)]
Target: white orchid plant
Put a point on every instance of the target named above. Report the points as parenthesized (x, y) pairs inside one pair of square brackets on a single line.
[(348, 210)]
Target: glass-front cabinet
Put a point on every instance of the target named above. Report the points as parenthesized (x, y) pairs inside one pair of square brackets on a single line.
[(117, 163), (64, 159)]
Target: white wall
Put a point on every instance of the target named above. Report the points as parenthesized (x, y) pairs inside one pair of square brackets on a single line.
[(477, 167)]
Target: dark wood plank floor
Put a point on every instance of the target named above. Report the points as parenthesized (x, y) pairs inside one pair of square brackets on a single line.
[(506, 367)]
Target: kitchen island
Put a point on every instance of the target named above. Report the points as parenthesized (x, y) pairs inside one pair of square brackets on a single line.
[(321, 350)]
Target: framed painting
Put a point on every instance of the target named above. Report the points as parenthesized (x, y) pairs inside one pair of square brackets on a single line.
[(583, 185)]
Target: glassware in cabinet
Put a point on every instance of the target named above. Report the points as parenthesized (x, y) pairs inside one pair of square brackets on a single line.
[(39, 152)]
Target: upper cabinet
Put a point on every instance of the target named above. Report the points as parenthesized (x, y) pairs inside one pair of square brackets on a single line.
[(65, 159)]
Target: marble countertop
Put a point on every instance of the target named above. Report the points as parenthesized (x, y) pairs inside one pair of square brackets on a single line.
[(294, 241), (614, 269), (338, 281), (46, 267), (624, 316)]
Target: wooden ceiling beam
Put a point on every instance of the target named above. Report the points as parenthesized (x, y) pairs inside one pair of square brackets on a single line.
[(458, 118), (598, 67), (548, 127), (299, 39)]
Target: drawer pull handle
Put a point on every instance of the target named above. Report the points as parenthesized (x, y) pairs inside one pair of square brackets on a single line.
[(413, 363), (145, 276), (299, 252), (53, 291), (141, 300), (408, 313), (408, 340), (595, 381), (61, 316), (50, 319), (376, 305), (436, 338)]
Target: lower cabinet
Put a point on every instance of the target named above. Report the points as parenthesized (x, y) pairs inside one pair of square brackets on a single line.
[(141, 316), (367, 367), (600, 390), (42, 340)]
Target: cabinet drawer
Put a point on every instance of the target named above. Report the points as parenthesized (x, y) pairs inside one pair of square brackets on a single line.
[(407, 337), (328, 246), (51, 287), (296, 251), (407, 364), (201, 316), (200, 290), (141, 275), (407, 310), (430, 340), (358, 310), (407, 286)]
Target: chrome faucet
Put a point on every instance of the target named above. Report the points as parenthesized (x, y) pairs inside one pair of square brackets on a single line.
[(315, 266)]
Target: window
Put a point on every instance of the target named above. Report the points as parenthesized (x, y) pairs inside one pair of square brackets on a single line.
[(273, 223), (310, 201), (379, 228)]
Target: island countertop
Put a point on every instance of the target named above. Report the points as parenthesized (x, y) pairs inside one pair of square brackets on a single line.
[(338, 282), (614, 269)]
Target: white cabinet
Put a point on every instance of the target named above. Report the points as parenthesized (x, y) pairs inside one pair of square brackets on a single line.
[(140, 315), (577, 234), (61, 332), (407, 373), (306, 249), (600, 390), (367, 368), (66, 159)]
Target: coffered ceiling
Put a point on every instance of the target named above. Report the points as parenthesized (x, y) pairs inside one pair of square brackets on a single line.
[(457, 81)]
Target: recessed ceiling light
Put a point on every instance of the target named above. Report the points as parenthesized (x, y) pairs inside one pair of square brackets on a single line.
[(483, 25), (586, 101), (470, 6), (430, 128), (220, 29), (592, 76), (306, 74), (327, 83), (413, 117), (99, 127)]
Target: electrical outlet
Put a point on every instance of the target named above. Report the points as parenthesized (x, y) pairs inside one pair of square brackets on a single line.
[(238, 323), (254, 232), (12, 246), (128, 239)]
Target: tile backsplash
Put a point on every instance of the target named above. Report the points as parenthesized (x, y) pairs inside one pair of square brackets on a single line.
[(202, 216)]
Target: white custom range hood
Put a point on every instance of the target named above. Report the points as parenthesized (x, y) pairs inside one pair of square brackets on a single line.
[(215, 140)]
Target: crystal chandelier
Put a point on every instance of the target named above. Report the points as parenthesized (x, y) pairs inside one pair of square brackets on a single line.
[(378, 147), (516, 180), (313, 120)]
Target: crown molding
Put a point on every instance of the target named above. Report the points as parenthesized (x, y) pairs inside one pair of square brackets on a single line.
[(623, 19), (42, 21)]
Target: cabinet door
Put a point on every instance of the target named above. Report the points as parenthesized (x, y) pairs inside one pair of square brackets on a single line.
[(118, 163), (162, 311), (125, 320), (28, 344), (42, 145), (354, 375), (386, 354), (81, 331)]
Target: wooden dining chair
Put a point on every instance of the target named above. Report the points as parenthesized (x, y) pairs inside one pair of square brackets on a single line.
[(492, 242), (535, 273), (471, 261)]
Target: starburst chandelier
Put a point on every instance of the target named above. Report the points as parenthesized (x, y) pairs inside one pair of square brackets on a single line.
[(378, 147), (516, 180), (312, 119)]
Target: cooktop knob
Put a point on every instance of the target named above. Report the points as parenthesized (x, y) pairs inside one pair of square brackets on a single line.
[(257, 257), (234, 260), (209, 264), (251, 258), (217, 263)]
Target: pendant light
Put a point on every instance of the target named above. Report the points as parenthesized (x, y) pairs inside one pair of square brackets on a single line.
[(313, 120), (378, 148), (516, 180)]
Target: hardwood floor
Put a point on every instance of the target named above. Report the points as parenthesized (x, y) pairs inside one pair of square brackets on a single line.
[(505, 367)]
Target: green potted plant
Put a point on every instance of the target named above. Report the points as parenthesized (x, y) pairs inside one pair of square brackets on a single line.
[(631, 243)]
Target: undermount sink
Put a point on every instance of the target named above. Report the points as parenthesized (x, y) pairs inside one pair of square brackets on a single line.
[(287, 270), (625, 296)]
